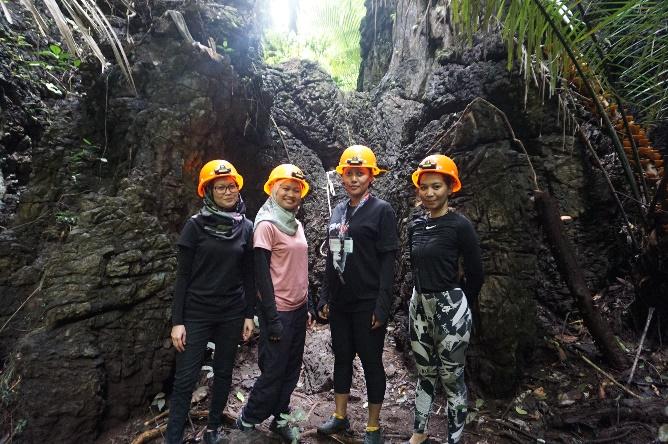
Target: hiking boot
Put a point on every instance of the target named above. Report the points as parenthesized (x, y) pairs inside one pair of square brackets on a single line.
[(211, 437), (240, 425), (287, 434), (334, 425), (375, 437)]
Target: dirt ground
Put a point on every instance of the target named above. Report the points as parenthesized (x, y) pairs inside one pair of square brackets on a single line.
[(562, 398)]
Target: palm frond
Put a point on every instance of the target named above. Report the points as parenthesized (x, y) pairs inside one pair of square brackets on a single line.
[(617, 47), (5, 11), (82, 16)]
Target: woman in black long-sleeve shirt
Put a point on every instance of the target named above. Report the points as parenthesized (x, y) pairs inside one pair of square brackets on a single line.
[(214, 294), (440, 317), (357, 291)]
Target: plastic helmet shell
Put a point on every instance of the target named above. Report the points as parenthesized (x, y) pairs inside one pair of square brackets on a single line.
[(438, 163), (286, 171), (359, 156), (215, 169)]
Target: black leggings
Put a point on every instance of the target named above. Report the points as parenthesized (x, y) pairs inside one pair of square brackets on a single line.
[(226, 335), (352, 334)]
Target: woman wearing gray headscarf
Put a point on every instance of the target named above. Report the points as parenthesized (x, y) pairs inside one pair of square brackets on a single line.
[(281, 273)]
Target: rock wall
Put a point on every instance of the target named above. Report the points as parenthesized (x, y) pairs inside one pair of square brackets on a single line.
[(91, 243)]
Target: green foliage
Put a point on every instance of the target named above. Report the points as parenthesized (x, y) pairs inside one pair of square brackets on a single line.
[(292, 420), (89, 23), (224, 48), (87, 152), (20, 426), (58, 59), (328, 35), (6, 386), (67, 218), (622, 44), (558, 38)]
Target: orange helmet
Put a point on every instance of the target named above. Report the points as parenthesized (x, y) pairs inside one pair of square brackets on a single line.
[(438, 163), (215, 169), (359, 156), (286, 171)]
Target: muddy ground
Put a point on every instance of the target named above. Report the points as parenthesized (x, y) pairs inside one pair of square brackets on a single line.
[(562, 398)]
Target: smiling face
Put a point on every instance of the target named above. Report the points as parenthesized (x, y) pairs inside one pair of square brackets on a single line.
[(434, 191), (225, 192), (356, 181), (287, 193)]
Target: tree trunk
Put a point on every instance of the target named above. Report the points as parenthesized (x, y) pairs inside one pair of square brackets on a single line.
[(293, 6), (572, 274)]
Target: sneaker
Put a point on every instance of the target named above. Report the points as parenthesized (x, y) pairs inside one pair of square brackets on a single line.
[(241, 426), (211, 437), (288, 434), (334, 425), (374, 437)]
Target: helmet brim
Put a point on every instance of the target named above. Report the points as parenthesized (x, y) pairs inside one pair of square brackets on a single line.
[(270, 183), (236, 177), (374, 170), (456, 183)]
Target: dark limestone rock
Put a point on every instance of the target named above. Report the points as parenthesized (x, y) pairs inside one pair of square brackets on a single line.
[(318, 366), (92, 240), (376, 45)]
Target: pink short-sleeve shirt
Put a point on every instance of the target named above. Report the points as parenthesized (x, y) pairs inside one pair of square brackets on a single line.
[(289, 263)]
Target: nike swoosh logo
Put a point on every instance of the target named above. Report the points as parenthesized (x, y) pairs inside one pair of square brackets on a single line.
[(429, 228)]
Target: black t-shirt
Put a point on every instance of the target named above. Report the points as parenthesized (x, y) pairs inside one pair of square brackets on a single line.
[(216, 283), (373, 230), (436, 246)]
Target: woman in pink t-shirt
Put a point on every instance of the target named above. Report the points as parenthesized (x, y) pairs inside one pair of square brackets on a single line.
[(281, 272)]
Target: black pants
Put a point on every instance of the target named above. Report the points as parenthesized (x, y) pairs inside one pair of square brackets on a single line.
[(352, 334), (226, 335), (280, 363)]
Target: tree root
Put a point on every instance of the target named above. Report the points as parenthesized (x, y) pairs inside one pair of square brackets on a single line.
[(149, 435)]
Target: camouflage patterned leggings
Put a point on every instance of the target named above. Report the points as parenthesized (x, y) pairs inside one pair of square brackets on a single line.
[(440, 328)]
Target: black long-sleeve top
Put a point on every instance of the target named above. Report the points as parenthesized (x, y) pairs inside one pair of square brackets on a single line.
[(436, 246), (214, 277), (369, 269)]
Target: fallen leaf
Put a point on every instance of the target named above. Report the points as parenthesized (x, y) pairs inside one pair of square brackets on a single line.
[(656, 391), (562, 354), (520, 410), (564, 400), (663, 433), (568, 339), (539, 393), (241, 397), (601, 391), (199, 394)]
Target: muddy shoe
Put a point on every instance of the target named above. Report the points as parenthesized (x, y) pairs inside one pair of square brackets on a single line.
[(375, 437), (287, 433), (334, 425)]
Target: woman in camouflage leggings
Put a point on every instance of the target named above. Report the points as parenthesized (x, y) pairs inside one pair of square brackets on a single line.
[(440, 318)]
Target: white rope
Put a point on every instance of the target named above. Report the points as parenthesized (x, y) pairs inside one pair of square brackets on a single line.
[(329, 189)]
